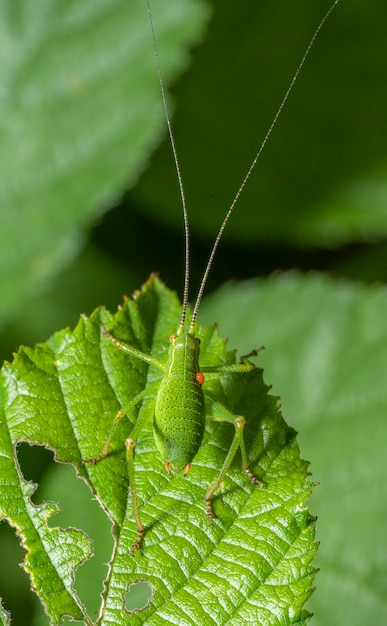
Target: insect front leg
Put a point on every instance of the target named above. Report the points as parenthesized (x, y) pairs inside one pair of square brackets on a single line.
[(132, 351), (243, 367), (118, 417), (222, 414), (142, 356), (230, 368)]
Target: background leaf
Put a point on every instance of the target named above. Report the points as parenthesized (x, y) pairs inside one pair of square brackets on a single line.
[(326, 344), (4, 617), (321, 180), (322, 177), (80, 110)]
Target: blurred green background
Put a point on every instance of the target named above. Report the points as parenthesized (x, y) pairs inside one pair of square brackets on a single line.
[(89, 203)]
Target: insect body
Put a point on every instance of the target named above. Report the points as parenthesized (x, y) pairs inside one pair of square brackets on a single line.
[(176, 403), (177, 406), (181, 395)]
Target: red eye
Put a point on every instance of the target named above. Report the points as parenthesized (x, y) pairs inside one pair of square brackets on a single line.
[(199, 378)]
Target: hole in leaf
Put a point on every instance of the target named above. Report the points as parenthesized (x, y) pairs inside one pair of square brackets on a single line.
[(15, 585), (14, 581), (34, 461), (58, 483), (138, 596)]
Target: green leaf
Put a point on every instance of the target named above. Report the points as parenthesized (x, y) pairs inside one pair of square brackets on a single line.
[(252, 565), (4, 617), (322, 176), (80, 110), (326, 351)]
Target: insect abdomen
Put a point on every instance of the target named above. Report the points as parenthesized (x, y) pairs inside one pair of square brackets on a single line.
[(180, 409)]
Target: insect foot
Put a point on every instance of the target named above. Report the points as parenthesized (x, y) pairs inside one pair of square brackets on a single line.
[(105, 450), (254, 352), (253, 478), (96, 459), (137, 543), (216, 485), (207, 500)]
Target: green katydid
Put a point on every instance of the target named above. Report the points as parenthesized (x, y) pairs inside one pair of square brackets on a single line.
[(176, 404)]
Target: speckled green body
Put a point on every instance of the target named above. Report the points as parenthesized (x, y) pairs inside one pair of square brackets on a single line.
[(180, 414)]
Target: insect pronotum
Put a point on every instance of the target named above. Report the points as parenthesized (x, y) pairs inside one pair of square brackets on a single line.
[(177, 406)]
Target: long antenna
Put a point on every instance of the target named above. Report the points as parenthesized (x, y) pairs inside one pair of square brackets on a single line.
[(252, 166), (179, 177)]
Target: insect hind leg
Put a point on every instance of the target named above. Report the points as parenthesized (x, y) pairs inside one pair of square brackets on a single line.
[(222, 414)]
